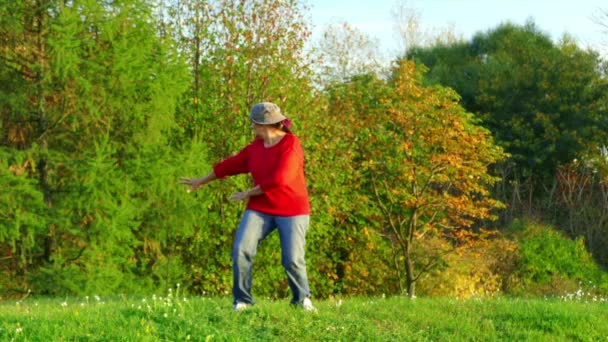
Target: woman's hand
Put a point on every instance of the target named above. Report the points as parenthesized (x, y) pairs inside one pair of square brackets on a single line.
[(196, 183), (240, 196)]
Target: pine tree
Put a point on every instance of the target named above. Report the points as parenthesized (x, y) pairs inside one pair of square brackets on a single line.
[(88, 125)]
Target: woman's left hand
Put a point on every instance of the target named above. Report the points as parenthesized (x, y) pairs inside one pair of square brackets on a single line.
[(240, 196)]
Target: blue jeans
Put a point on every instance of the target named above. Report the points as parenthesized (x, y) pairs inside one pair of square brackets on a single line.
[(254, 228)]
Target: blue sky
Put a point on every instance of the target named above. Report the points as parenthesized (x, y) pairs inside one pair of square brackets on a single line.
[(468, 17)]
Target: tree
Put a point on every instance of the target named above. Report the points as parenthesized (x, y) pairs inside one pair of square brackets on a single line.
[(412, 34), (426, 163), (344, 52), (348, 254), (91, 107), (601, 19), (24, 92), (541, 101)]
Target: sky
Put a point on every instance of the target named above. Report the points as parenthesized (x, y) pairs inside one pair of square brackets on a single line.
[(467, 17)]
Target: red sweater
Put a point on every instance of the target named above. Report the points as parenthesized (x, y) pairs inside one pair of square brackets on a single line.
[(278, 170)]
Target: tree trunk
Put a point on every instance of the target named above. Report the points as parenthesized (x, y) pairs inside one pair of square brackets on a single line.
[(42, 120), (409, 269), (409, 275)]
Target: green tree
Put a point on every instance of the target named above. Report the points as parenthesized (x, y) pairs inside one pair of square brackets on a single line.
[(24, 92), (541, 100), (90, 114)]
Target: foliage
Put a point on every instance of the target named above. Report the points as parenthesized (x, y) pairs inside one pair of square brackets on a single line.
[(476, 272), (347, 253), (549, 263), (580, 197), (240, 53), (541, 101), (89, 141), (425, 164), (104, 105)]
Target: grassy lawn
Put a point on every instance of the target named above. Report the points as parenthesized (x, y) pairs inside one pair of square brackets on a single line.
[(175, 318)]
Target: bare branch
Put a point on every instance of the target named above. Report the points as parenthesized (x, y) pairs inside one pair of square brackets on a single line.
[(385, 211), (431, 264)]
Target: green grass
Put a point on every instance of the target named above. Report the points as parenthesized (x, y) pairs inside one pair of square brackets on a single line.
[(175, 318)]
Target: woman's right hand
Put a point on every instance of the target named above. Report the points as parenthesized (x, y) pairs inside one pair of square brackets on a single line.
[(194, 183)]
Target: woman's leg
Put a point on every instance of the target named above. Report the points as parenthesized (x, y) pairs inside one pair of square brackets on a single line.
[(292, 231), (254, 228)]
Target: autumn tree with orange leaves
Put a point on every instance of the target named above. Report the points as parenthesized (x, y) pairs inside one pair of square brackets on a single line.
[(425, 164)]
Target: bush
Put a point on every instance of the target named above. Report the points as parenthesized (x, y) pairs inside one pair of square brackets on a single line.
[(473, 272), (549, 263)]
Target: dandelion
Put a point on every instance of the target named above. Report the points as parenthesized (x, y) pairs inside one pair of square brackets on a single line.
[(64, 304), (97, 298), (18, 330)]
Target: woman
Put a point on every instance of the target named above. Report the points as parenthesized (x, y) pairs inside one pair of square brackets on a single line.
[(278, 200)]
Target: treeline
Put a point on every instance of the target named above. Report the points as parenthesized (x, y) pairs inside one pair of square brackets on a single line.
[(414, 177)]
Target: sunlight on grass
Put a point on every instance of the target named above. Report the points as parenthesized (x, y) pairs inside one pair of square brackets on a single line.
[(181, 318)]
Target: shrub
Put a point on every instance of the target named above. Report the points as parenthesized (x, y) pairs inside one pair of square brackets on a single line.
[(475, 272), (549, 263)]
